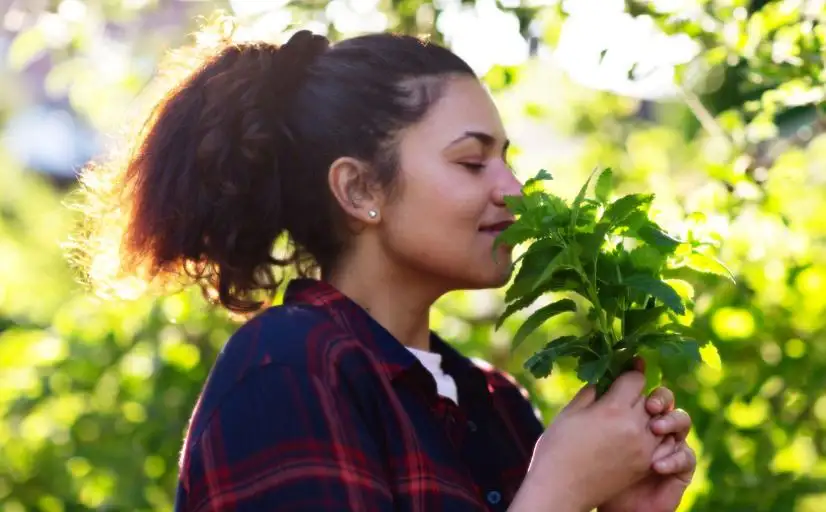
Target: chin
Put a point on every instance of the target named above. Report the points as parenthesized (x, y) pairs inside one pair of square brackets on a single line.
[(495, 277)]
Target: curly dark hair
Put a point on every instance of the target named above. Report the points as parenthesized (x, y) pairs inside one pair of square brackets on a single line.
[(225, 184)]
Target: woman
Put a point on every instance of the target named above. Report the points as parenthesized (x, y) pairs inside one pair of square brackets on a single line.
[(382, 158)]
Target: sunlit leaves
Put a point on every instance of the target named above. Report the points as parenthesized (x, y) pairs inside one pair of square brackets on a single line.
[(658, 289), (707, 264), (617, 213), (752, 416), (605, 182), (622, 285), (540, 316), (540, 364)]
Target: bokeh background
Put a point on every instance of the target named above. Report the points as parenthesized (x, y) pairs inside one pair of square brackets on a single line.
[(715, 106)]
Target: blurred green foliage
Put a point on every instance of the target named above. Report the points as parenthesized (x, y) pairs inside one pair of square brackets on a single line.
[(94, 395)]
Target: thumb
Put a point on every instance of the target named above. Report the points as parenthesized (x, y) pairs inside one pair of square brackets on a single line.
[(585, 397)]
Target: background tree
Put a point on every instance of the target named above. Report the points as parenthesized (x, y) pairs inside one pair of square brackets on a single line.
[(715, 106)]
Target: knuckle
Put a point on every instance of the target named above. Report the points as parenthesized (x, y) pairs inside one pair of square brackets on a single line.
[(684, 416)]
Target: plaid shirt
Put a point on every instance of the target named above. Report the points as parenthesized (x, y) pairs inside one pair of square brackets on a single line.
[(314, 406)]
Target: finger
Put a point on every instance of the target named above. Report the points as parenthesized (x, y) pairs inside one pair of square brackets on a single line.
[(677, 422), (667, 447), (584, 397), (660, 401), (639, 364), (682, 462), (627, 389)]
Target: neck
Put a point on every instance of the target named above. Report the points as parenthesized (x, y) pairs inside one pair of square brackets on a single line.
[(395, 299)]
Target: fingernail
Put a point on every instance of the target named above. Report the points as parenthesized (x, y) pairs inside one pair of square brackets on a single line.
[(661, 465), (660, 424), (657, 403)]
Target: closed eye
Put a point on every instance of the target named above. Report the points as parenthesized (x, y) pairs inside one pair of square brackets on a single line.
[(473, 166)]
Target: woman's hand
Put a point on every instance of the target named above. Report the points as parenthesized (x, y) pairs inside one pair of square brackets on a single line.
[(591, 451), (673, 462)]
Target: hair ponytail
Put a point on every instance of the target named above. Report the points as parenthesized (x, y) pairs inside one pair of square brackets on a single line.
[(201, 193)]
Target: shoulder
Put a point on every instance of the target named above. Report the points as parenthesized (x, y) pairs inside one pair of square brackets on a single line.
[(299, 340), (298, 336)]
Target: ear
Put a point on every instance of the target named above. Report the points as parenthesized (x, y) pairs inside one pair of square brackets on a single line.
[(352, 186)]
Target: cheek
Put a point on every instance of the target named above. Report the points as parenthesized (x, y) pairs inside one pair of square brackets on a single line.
[(439, 236)]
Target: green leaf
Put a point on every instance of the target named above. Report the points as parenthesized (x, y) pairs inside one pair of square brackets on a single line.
[(556, 221), (541, 363), (567, 346), (540, 316), (632, 222), (607, 269), (638, 319), (542, 175), (605, 184), (708, 265), (647, 258), (564, 280), (593, 370), (620, 209), (656, 288), (514, 235), (587, 216), (562, 259), (516, 204), (534, 263), (577, 204), (652, 234), (517, 305), (554, 206), (687, 350), (673, 346), (609, 297), (590, 243)]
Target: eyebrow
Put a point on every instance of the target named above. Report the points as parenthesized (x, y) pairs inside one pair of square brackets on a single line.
[(485, 138)]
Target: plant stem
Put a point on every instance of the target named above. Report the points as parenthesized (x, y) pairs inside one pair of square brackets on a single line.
[(594, 298)]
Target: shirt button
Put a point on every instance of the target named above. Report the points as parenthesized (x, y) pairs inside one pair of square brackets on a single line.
[(471, 426), (494, 497)]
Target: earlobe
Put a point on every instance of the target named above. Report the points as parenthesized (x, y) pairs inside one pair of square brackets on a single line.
[(351, 184)]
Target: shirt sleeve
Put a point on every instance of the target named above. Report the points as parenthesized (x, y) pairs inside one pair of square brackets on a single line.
[(285, 439)]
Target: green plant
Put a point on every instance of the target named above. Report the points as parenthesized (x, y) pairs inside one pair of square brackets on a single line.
[(613, 255)]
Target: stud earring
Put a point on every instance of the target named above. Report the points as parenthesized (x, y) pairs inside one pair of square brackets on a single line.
[(372, 214)]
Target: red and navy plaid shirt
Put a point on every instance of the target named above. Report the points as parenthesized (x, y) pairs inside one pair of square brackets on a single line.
[(314, 406)]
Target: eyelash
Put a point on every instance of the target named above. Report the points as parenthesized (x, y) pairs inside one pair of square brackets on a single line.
[(472, 166)]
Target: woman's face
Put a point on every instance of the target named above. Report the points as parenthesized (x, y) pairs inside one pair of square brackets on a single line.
[(453, 176)]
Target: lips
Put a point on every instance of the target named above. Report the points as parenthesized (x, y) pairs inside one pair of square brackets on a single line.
[(496, 228)]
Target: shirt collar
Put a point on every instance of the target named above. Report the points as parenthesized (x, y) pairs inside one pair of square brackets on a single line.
[(393, 355)]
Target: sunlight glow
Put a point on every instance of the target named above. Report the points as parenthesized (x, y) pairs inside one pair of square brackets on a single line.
[(483, 35), (617, 52)]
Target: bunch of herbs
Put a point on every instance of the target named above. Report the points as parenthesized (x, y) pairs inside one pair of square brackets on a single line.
[(614, 256)]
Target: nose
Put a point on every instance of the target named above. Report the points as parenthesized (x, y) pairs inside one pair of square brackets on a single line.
[(508, 186)]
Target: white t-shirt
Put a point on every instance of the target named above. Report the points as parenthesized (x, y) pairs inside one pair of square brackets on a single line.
[(445, 385)]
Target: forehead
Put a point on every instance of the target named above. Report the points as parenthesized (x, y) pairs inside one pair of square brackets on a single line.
[(464, 105)]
